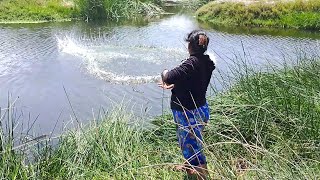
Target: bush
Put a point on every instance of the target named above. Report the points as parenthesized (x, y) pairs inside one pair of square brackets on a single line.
[(113, 9)]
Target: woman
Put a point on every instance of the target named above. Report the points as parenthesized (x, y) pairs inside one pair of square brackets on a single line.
[(189, 83)]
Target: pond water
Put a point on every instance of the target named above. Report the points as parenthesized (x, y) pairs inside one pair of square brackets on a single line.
[(100, 65)]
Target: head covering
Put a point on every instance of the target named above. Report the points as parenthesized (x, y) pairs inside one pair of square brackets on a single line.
[(198, 41)]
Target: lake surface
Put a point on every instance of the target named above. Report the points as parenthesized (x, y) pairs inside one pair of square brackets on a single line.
[(100, 65)]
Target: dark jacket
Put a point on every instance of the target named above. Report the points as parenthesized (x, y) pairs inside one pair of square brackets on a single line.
[(191, 80)]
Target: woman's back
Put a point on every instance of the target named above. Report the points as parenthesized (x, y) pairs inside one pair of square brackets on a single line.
[(191, 80)]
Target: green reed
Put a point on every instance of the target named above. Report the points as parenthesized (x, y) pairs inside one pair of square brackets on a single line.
[(269, 120), (11, 161), (114, 9), (114, 147)]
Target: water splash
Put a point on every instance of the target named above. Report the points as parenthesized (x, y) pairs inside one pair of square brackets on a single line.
[(104, 59), (94, 57)]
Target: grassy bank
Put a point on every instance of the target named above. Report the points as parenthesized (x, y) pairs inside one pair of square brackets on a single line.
[(300, 14), (60, 10), (35, 10), (266, 126)]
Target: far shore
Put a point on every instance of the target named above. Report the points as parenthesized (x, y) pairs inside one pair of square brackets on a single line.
[(34, 22), (288, 14)]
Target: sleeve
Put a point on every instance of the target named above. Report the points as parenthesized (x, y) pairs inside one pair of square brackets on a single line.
[(180, 72)]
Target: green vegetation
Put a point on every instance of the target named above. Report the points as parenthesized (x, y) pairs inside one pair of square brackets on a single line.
[(101, 9), (35, 10), (60, 10), (300, 14), (275, 112), (113, 148), (265, 126)]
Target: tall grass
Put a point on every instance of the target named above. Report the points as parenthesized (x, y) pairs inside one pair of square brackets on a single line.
[(273, 117), (113, 9), (300, 14), (14, 147), (112, 149), (115, 146)]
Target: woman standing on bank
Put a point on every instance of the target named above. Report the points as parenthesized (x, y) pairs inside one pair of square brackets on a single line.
[(189, 83)]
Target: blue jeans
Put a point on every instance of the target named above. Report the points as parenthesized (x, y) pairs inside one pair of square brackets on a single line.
[(190, 124)]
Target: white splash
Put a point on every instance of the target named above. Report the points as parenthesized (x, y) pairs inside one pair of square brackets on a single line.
[(95, 56), (70, 46), (212, 57)]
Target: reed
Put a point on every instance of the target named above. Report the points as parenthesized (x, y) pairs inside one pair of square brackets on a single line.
[(115, 9), (115, 147), (268, 120)]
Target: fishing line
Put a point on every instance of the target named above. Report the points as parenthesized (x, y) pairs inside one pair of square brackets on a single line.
[(162, 103), (162, 106)]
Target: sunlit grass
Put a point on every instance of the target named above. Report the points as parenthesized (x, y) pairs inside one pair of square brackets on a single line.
[(300, 14), (35, 10), (59, 10)]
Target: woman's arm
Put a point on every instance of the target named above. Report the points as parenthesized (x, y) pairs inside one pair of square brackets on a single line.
[(180, 72)]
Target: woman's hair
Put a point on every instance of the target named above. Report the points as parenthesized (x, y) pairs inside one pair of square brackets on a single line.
[(198, 41)]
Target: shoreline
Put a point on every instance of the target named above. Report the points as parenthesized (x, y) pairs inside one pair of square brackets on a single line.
[(36, 22)]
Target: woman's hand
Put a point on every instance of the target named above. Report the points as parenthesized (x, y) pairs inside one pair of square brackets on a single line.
[(163, 85), (163, 74)]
